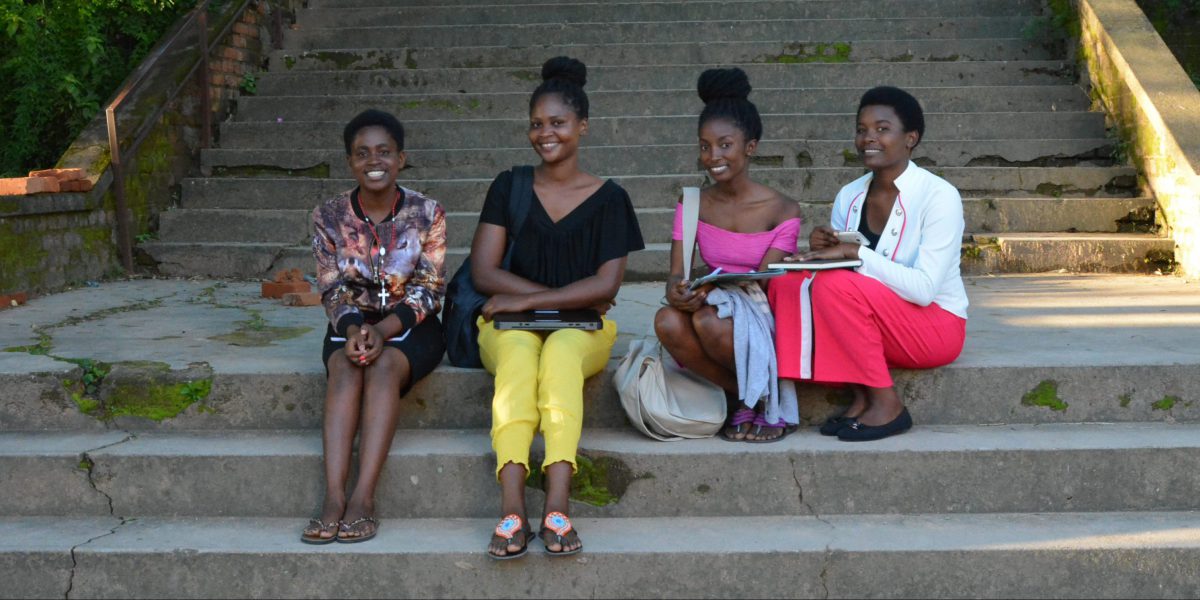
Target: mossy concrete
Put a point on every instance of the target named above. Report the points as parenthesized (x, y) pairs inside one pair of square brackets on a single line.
[(1045, 395), (1156, 108)]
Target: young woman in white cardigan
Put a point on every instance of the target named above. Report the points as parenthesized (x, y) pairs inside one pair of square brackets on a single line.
[(906, 305)]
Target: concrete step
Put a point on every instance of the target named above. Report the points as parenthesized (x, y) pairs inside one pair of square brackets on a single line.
[(667, 159), (259, 260), (473, 158), (662, 129), (450, 473), (673, 77), (1039, 349), (1003, 253), (983, 99), (788, 50), (730, 30), (632, 12), (1075, 252), (1095, 555), (982, 214), (270, 190)]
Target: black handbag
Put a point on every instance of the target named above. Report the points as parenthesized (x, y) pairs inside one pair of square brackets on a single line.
[(463, 302)]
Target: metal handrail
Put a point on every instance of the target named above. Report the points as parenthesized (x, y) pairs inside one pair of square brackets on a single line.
[(198, 17)]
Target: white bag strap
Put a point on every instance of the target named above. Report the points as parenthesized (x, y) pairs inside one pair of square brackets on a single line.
[(691, 220)]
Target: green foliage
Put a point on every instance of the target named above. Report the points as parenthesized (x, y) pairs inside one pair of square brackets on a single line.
[(59, 61), (249, 85), (1061, 24), (1045, 395)]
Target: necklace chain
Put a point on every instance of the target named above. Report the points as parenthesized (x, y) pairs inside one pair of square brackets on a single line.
[(377, 260)]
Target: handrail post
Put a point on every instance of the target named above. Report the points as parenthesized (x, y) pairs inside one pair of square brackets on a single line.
[(114, 149), (205, 76)]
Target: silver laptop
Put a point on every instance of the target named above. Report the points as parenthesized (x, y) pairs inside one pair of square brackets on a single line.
[(540, 320)]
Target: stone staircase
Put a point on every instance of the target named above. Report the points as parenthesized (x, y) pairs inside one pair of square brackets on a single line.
[(1007, 122), (1057, 457)]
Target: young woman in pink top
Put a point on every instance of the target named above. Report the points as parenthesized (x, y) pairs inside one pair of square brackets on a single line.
[(743, 226)]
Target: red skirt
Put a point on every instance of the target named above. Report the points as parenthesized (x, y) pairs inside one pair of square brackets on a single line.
[(840, 327)]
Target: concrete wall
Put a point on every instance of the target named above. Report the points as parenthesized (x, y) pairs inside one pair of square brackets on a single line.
[(1150, 98), (52, 241)]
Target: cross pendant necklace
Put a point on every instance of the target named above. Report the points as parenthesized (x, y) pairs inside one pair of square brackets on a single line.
[(378, 265)]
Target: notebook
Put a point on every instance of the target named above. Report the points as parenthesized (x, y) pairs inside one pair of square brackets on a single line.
[(719, 277), (820, 264), (542, 320)]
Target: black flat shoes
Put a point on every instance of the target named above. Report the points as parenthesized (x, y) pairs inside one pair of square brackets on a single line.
[(854, 431), (833, 425)]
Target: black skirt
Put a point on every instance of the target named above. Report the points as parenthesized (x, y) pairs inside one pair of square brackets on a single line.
[(422, 345)]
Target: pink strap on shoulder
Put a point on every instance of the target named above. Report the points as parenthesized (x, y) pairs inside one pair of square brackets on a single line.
[(787, 234)]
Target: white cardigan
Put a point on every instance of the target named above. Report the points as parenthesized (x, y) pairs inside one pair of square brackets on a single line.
[(919, 250)]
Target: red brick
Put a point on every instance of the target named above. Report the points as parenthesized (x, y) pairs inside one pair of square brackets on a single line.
[(302, 299), (20, 186), (275, 289), (233, 54), (18, 298), (60, 174), (79, 185), (245, 29), (238, 41)]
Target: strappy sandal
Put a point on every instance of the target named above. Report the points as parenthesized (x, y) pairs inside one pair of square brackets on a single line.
[(760, 421), (558, 524), (740, 417), (345, 527), (508, 528), (318, 539)]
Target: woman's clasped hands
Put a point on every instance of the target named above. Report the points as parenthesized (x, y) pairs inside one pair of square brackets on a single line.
[(364, 344)]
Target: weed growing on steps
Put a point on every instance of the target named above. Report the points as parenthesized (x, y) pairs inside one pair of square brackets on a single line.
[(1166, 403), (795, 54), (1045, 395), (599, 481)]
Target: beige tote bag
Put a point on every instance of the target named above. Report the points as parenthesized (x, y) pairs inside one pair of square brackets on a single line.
[(662, 399)]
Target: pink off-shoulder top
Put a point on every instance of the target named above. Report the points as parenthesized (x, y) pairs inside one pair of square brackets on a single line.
[(737, 252)]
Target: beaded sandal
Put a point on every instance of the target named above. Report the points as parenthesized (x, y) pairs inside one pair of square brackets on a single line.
[(507, 529), (345, 527), (558, 524), (317, 538)]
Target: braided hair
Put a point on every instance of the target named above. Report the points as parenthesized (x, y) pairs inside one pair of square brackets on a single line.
[(725, 93), (565, 77)]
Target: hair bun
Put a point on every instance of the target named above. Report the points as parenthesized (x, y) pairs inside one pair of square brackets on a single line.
[(715, 84), (562, 67)]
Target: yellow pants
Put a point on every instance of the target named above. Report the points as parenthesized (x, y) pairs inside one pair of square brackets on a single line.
[(539, 381)]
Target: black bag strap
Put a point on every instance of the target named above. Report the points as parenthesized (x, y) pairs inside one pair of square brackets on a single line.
[(520, 197)]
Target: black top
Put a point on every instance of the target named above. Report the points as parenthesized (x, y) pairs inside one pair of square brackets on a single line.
[(863, 228), (601, 228)]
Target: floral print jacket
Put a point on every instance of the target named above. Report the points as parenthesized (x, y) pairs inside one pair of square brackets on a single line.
[(347, 256)]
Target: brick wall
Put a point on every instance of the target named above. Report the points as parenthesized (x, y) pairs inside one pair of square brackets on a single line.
[(239, 55)]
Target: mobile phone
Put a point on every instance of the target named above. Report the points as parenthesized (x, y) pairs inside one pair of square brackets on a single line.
[(854, 237)]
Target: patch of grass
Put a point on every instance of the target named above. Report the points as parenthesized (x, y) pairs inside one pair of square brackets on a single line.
[(1124, 400), (1045, 395), (1166, 403)]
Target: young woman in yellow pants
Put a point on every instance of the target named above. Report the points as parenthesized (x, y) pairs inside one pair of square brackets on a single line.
[(569, 253)]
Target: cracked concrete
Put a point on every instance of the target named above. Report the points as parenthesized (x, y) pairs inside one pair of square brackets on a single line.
[(90, 465), (75, 560)]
